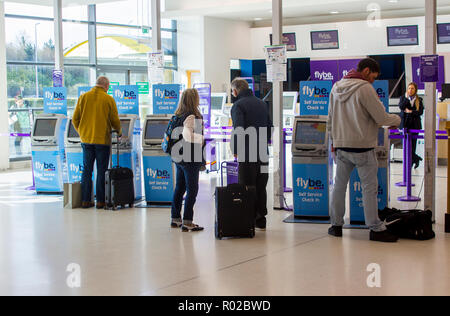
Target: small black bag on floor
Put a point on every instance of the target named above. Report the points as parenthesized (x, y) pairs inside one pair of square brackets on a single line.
[(235, 211), (411, 224)]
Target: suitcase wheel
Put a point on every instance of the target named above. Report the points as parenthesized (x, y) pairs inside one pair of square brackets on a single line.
[(131, 205)]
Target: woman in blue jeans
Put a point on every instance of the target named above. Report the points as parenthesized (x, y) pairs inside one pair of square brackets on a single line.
[(187, 153)]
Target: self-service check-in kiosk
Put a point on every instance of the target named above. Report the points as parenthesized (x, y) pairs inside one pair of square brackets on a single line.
[(159, 173), (130, 149), (219, 116), (48, 154), (289, 105), (312, 169), (74, 153), (356, 201)]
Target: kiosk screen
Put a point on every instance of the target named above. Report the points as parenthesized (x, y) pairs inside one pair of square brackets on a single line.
[(216, 103), (288, 103), (72, 133), (125, 128), (311, 133), (45, 127), (155, 129)]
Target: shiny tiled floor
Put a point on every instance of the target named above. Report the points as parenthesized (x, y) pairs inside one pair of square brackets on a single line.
[(134, 252)]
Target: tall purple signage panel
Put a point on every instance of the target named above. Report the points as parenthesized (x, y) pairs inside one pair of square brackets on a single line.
[(429, 68), (403, 35), (289, 39), (204, 91), (417, 75)]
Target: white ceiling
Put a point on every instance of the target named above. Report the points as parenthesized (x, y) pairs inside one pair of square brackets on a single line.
[(299, 11), (294, 11)]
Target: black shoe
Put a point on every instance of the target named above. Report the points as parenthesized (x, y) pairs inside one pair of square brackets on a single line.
[(416, 164), (383, 236), (335, 231), (261, 224)]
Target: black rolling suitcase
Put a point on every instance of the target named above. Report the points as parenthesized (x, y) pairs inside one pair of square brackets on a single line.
[(119, 186), (235, 211)]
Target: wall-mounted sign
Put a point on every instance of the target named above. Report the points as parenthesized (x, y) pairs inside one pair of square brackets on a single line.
[(443, 33), (403, 35), (324, 70), (416, 72), (315, 97), (144, 87), (127, 99), (429, 68), (289, 39), (325, 40), (55, 100), (58, 77), (166, 98)]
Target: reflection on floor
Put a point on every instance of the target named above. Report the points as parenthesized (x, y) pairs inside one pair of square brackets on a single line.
[(134, 252)]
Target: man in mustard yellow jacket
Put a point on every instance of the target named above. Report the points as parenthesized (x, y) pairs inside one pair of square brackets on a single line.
[(94, 118)]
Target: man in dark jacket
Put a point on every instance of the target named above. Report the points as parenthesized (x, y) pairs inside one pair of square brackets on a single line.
[(252, 129)]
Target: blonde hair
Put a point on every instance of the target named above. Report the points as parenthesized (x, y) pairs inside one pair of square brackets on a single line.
[(416, 88), (189, 103)]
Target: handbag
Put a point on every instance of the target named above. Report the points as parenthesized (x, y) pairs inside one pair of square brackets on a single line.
[(72, 195)]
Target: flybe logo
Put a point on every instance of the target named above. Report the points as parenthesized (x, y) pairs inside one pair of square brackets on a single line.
[(316, 92), (158, 174), (166, 94), (381, 93), (310, 184), (76, 168), (323, 75), (324, 36), (125, 95), (401, 31), (357, 187), (57, 96), (44, 166)]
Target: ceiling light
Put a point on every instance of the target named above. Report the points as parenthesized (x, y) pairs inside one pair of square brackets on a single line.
[(258, 19), (334, 12)]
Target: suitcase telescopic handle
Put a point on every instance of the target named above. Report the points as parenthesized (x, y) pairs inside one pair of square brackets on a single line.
[(118, 148)]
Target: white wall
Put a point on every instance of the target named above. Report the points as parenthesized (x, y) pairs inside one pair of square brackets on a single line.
[(190, 47), (224, 40), (208, 44), (4, 140)]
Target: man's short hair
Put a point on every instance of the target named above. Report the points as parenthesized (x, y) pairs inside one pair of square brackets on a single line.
[(240, 85), (370, 63), (102, 81)]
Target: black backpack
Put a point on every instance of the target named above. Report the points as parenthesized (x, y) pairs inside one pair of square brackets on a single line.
[(411, 224), (168, 142)]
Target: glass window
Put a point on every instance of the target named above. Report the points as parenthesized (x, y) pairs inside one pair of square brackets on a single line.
[(128, 12), (75, 77), (75, 12), (76, 46), (22, 81), (28, 9), (22, 37)]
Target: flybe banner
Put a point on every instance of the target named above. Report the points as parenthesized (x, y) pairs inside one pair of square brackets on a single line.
[(127, 99), (315, 97), (382, 89), (166, 98), (55, 100), (159, 178), (47, 171)]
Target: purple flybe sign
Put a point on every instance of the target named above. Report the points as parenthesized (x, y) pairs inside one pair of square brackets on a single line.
[(324, 70), (324, 40)]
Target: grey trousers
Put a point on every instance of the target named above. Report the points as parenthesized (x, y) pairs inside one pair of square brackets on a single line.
[(367, 166)]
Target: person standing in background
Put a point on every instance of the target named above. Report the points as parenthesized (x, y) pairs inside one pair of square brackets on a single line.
[(412, 109)]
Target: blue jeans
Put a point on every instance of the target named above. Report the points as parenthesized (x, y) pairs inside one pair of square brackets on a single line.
[(92, 153), (186, 182), (367, 166)]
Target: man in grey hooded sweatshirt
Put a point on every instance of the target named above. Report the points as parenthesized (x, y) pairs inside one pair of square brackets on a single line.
[(355, 115)]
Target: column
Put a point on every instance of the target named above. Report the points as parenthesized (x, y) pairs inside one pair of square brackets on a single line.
[(4, 125), (278, 139), (430, 111), (59, 49), (92, 36), (156, 25)]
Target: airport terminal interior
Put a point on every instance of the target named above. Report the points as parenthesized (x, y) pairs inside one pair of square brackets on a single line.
[(291, 53)]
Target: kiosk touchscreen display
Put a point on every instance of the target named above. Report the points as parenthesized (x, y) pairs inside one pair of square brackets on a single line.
[(155, 129), (216, 103), (125, 128), (72, 133), (45, 128), (311, 133), (288, 103)]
